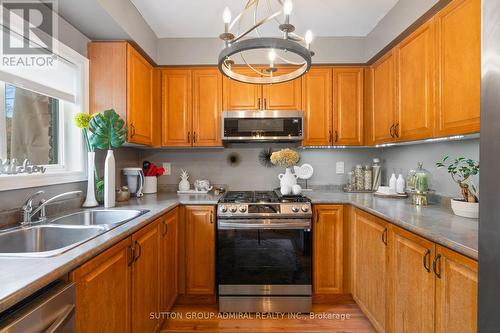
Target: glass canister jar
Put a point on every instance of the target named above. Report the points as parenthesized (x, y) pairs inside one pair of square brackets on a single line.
[(368, 185), (359, 177), (422, 177)]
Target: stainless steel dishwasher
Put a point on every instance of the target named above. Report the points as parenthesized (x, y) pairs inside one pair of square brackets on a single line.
[(49, 311)]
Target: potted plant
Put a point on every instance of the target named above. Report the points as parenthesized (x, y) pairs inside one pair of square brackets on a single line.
[(286, 158), (461, 171), (108, 132)]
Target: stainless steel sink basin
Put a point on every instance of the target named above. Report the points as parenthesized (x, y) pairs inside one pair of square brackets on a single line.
[(106, 217), (44, 240)]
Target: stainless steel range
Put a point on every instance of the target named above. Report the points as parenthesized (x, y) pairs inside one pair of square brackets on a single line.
[(264, 252)]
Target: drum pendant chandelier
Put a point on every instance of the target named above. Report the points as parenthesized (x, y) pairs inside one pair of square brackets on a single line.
[(276, 48)]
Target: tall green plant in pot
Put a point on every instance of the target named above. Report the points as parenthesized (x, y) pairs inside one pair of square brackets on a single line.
[(461, 170), (108, 132)]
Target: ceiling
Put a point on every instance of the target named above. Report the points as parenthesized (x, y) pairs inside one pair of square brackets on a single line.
[(203, 18)]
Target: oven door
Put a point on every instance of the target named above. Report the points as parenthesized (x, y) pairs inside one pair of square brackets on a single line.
[(262, 126), (262, 257)]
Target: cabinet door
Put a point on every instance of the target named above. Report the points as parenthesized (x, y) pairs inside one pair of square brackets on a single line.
[(327, 249), (207, 107), (456, 292), (176, 107), (283, 96), (369, 255), (317, 106), (169, 260), (416, 84), (459, 67), (200, 250), (103, 301), (140, 78), (145, 278), (348, 106), (411, 280), (383, 98), (242, 96)]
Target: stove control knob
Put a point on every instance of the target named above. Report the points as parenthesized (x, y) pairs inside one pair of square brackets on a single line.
[(232, 209), (304, 208), (223, 208), (295, 209), (242, 209)]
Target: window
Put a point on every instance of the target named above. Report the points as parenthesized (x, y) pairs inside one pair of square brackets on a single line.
[(32, 123)]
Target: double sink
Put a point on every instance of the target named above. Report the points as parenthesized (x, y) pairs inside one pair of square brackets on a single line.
[(61, 234)]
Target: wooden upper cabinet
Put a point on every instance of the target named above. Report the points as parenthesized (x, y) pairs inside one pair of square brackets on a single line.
[(459, 67), (411, 280), (283, 96), (146, 278), (200, 250), (207, 107), (456, 292), (383, 96), (327, 249), (369, 265), (242, 96), (122, 79), (317, 106), (415, 59), (103, 300), (348, 106), (140, 84), (176, 107), (168, 260)]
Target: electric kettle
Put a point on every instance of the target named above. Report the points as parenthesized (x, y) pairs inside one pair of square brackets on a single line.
[(135, 181)]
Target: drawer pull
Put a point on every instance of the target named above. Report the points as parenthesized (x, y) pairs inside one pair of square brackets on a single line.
[(436, 266), (427, 260), (384, 236)]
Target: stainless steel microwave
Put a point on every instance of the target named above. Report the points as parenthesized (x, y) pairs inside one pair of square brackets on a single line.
[(267, 125)]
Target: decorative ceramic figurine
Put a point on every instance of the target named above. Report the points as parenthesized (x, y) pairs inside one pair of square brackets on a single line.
[(184, 183)]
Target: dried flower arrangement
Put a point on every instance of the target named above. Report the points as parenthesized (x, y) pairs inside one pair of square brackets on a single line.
[(285, 158)]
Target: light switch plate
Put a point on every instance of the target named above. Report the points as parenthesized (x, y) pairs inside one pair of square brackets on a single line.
[(168, 168), (339, 167)]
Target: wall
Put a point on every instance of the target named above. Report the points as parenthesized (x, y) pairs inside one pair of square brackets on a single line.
[(205, 51), (404, 158), (249, 174)]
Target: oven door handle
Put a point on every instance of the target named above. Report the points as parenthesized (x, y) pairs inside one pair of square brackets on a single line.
[(263, 224)]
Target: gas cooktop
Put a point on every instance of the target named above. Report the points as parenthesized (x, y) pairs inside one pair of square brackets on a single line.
[(260, 197)]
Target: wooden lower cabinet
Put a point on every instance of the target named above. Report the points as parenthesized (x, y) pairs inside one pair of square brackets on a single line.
[(200, 250), (456, 292), (103, 293), (327, 249), (411, 282), (168, 260), (369, 264)]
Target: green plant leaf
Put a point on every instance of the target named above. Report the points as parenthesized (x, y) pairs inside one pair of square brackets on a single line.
[(108, 130)]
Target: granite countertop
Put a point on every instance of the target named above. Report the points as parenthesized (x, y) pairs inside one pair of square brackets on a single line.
[(21, 277)]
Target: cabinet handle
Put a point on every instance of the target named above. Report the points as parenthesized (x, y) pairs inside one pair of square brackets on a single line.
[(317, 217), (384, 236), (396, 130), (165, 228), (194, 137), (132, 130), (258, 103), (330, 136), (138, 252), (391, 131), (436, 265), (131, 255), (265, 103), (427, 260), (189, 137), (336, 136), (211, 217)]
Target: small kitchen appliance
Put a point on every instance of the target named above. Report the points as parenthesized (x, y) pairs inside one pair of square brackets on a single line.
[(135, 181), (264, 252)]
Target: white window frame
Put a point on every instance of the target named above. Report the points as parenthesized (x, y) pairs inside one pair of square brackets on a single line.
[(73, 167)]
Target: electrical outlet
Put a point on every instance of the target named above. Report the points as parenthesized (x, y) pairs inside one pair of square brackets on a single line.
[(168, 168), (339, 167)]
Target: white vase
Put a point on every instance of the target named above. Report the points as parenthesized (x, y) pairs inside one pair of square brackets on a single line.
[(109, 180), (465, 209), (287, 181), (90, 200)]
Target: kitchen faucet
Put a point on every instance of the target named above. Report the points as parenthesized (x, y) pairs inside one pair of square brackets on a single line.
[(28, 211)]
